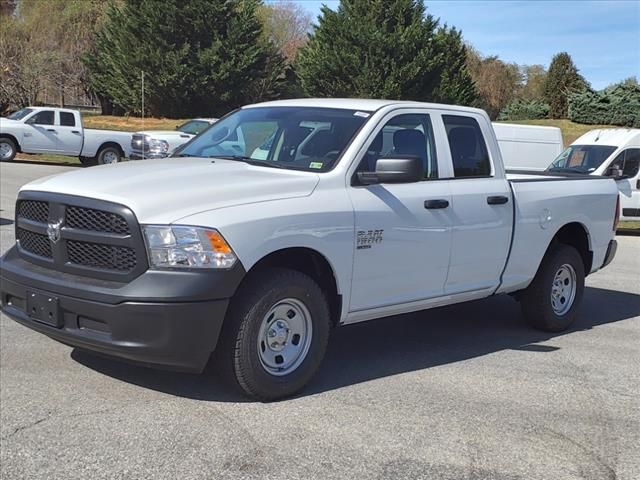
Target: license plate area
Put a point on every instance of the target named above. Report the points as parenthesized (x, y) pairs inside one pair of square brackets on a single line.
[(43, 308)]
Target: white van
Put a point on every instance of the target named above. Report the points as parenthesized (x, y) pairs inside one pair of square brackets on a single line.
[(612, 152), (528, 147)]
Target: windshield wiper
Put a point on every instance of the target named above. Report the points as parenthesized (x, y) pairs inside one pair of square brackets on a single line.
[(182, 155), (249, 160)]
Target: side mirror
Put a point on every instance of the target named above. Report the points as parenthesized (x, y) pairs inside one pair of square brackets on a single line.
[(177, 127), (399, 169), (615, 172)]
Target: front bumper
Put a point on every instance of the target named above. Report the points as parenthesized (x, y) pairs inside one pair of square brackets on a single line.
[(611, 253), (134, 155), (167, 319)]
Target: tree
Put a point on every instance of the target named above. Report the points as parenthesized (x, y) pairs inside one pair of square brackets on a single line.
[(497, 82), (202, 57), (286, 25), (384, 49), (533, 87), (618, 104), (562, 80)]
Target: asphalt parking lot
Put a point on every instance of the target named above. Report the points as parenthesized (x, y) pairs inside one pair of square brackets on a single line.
[(460, 393)]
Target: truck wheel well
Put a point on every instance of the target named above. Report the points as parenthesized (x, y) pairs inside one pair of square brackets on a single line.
[(110, 144), (575, 235), (311, 263), (14, 139)]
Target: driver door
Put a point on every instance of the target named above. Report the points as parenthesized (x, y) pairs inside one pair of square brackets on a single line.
[(40, 133), (403, 231)]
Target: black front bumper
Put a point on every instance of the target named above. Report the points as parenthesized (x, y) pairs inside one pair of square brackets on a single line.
[(168, 319)]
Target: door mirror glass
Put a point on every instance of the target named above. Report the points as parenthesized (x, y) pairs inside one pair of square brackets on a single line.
[(399, 169)]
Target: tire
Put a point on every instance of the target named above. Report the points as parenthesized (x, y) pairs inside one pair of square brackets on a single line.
[(254, 315), (108, 155), (8, 149), (552, 300)]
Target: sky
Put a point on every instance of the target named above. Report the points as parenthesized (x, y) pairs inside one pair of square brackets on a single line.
[(602, 37)]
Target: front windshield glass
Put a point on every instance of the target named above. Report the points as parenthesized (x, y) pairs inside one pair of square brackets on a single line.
[(193, 127), (581, 158), (20, 114), (297, 138)]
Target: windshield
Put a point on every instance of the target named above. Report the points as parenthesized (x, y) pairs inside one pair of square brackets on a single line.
[(581, 158), (193, 127), (297, 138), (20, 114)]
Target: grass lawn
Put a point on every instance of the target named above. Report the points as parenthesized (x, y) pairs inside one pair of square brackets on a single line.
[(629, 226), (130, 124)]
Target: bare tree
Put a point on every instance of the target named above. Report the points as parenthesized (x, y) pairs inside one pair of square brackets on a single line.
[(286, 24)]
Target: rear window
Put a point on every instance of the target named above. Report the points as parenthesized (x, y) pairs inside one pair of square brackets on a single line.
[(469, 152)]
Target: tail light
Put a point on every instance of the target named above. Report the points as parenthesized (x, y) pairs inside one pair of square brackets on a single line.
[(616, 220)]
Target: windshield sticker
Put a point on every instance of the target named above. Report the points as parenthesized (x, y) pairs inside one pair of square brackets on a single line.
[(361, 114), (316, 165)]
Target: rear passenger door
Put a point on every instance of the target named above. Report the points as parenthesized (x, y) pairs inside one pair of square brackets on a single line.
[(482, 205), (401, 251), (69, 134)]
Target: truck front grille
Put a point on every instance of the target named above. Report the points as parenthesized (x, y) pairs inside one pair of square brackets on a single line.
[(34, 243), (80, 235)]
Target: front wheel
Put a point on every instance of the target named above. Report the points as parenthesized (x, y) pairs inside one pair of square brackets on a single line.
[(8, 149), (275, 335), (108, 155), (552, 300)]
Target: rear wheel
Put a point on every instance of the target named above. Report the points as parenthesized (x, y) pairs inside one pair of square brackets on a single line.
[(8, 149), (552, 300), (275, 335), (108, 155)]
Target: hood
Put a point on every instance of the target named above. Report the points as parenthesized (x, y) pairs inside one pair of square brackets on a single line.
[(8, 121), (166, 190)]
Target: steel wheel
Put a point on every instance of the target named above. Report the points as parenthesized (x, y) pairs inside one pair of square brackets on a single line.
[(563, 289), (110, 157), (285, 336), (6, 150)]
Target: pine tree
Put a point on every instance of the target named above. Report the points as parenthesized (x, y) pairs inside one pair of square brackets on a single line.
[(384, 49), (201, 57), (562, 81)]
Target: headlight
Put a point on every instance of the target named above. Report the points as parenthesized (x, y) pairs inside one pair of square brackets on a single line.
[(157, 146), (187, 247)]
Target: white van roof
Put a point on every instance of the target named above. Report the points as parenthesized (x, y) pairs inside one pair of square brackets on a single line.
[(527, 133), (616, 137)]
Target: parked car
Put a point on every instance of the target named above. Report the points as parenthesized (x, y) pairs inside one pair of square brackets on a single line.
[(612, 152), (403, 206), (59, 131), (528, 147), (161, 143)]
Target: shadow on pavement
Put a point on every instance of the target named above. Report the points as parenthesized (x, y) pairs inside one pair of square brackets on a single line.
[(394, 345)]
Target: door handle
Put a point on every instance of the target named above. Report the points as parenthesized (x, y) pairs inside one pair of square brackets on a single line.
[(433, 204), (75, 131), (497, 200), (51, 130)]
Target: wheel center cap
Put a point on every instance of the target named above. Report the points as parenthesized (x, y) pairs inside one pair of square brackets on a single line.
[(278, 334)]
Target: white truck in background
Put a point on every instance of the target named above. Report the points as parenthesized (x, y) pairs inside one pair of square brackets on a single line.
[(59, 131), (149, 144), (397, 207), (528, 147), (609, 152)]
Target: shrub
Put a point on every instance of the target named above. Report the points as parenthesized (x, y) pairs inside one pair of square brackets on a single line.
[(525, 110), (616, 105)]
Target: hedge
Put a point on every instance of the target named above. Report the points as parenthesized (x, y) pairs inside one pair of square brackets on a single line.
[(616, 105)]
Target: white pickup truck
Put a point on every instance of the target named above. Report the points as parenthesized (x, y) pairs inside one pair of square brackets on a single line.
[(396, 207), (59, 131), (150, 144)]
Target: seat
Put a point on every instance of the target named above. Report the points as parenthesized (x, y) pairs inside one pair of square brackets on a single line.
[(411, 142)]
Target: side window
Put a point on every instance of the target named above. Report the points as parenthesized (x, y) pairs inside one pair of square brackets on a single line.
[(45, 117), (407, 134), (67, 119), (628, 161), (468, 149)]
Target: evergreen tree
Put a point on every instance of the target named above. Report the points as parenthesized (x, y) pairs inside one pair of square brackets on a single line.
[(562, 81), (384, 49), (201, 57)]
